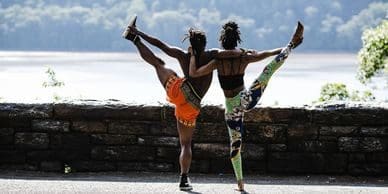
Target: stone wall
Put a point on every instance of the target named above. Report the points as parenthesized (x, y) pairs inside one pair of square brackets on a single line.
[(116, 137)]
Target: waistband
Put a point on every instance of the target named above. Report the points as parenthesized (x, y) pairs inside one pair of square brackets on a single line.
[(191, 95)]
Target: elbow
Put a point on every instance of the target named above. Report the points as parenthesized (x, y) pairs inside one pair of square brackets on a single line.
[(193, 74)]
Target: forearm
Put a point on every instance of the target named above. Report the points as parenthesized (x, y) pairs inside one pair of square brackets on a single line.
[(193, 67), (272, 52)]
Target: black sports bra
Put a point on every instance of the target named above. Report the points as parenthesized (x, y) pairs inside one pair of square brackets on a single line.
[(230, 82)]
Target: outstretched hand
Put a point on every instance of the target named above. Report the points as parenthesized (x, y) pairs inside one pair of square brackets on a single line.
[(133, 30)]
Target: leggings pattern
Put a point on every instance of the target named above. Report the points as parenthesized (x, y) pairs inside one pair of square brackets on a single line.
[(243, 102)]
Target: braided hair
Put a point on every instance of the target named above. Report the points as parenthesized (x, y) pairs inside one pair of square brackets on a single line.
[(197, 40), (230, 35)]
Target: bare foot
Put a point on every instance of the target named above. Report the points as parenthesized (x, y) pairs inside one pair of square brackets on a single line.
[(297, 37), (240, 184)]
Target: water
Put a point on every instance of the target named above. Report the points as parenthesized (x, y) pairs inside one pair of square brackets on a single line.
[(126, 77)]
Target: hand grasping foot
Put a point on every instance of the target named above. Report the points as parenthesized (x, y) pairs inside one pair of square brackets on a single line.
[(130, 32)]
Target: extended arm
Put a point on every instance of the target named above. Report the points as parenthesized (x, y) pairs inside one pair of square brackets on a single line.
[(223, 54), (204, 70), (258, 56), (171, 51)]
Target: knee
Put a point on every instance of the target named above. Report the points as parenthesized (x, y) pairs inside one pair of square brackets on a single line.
[(185, 144)]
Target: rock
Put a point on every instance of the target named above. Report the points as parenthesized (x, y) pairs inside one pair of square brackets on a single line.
[(70, 141), (338, 130), (51, 166), (50, 126), (211, 150), (160, 141), (360, 144), (286, 162), (109, 139), (304, 131), (123, 153), (95, 111), (126, 127), (277, 147), (89, 127), (32, 140), (33, 111)]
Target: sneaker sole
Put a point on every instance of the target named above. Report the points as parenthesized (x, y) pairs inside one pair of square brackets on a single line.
[(131, 23), (186, 188)]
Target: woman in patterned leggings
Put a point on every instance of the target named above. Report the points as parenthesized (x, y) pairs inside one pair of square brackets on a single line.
[(230, 74)]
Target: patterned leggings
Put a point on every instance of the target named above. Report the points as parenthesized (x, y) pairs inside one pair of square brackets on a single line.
[(243, 102)]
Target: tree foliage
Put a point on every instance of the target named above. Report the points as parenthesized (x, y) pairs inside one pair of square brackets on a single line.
[(373, 57), (339, 92)]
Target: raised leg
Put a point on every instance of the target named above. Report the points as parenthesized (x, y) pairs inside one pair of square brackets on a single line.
[(148, 56)]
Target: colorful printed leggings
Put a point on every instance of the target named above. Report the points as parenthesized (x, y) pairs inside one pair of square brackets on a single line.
[(244, 101)]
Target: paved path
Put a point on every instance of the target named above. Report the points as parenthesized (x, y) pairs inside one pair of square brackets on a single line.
[(94, 183)]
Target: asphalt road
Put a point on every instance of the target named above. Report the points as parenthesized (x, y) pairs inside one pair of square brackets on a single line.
[(113, 182)]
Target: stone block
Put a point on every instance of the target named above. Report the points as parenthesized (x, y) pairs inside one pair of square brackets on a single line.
[(257, 133), (357, 157), (211, 133), (253, 152), (127, 127), (302, 131), (123, 153), (163, 129), (132, 166), (312, 146), (371, 169), (221, 166), (95, 111), (211, 114), (33, 111), (167, 153), (277, 147), (6, 136), (291, 162), (12, 156), (377, 157), (61, 155), (211, 150), (161, 166), (253, 166), (21, 124), (51, 166), (70, 141), (337, 131), (113, 139), (159, 141), (278, 115), (374, 131), (361, 144), (89, 127), (32, 140), (50, 126), (200, 166), (345, 116)]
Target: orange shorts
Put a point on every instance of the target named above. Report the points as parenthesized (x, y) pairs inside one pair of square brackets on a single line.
[(185, 112)]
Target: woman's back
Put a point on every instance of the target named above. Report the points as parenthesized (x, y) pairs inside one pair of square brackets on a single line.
[(231, 75)]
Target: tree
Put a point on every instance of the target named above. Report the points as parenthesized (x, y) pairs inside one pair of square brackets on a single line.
[(373, 56)]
